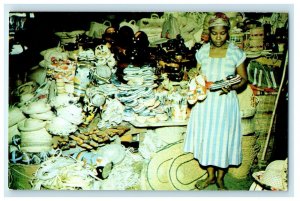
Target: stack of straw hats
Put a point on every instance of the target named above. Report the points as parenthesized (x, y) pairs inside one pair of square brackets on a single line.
[(172, 169)]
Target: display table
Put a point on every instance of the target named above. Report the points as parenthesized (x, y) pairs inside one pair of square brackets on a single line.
[(168, 123)]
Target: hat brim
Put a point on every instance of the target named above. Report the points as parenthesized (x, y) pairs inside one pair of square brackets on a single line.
[(185, 171), (36, 127), (159, 165), (258, 176)]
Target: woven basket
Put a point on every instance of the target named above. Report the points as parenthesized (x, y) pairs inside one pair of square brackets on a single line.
[(248, 126), (20, 176), (249, 151), (261, 141), (262, 122), (266, 103)]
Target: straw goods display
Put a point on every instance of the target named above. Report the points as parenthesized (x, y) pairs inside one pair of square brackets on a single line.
[(31, 124), (15, 115)]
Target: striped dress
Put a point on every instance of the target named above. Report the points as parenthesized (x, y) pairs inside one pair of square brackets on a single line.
[(214, 128)]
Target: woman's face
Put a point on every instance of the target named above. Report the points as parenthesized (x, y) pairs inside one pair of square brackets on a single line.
[(218, 35)]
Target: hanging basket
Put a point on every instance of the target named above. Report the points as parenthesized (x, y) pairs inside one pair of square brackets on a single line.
[(20, 176)]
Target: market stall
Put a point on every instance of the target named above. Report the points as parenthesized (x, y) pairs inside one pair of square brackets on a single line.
[(107, 107)]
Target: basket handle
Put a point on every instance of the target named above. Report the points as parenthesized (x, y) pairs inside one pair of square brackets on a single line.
[(105, 23), (154, 16), (132, 22)]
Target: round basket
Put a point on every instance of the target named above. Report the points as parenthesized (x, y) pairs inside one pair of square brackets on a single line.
[(248, 126), (20, 176), (266, 103)]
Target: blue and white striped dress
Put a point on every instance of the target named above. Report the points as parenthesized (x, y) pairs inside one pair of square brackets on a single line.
[(214, 128)]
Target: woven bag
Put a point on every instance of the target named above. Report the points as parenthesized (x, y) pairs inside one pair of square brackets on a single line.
[(98, 29), (131, 24), (154, 22)]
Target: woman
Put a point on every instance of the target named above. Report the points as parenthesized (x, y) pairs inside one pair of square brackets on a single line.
[(214, 128)]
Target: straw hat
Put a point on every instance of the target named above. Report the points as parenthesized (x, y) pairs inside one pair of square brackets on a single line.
[(39, 106), (185, 172), (274, 177), (171, 169), (12, 131), (15, 115), (170, 134), (31, 124), (36, 141), (60, 126), (25, 98), (43, 116)]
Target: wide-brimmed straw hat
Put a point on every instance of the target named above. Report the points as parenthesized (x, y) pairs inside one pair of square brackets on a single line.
[(39, 106), (49, 115), (15, 115), (274, 177), (185, 171), (172, 169), (31, 124)]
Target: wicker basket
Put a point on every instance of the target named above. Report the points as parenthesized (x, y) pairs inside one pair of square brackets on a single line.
[(262, 122), (261, 141), (266, 103), (20, 176), (249, 151)]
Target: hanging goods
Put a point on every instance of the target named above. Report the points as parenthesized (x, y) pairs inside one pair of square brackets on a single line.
[(170, 28), (261, 75), (131, 24), (98, 29), (152, 27)]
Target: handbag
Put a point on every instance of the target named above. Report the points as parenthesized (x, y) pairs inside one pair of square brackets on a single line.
[(131, 24), (98, 29)]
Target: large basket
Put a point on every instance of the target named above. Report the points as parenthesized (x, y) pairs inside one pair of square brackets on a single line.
[(249, 151), (20, 176), (266, 103), (261, 142), (262, 122)]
